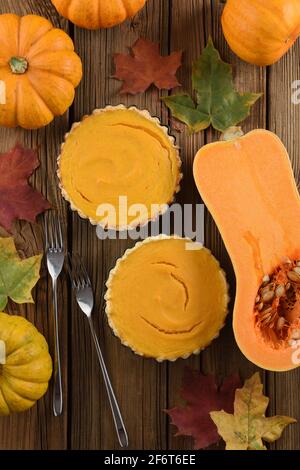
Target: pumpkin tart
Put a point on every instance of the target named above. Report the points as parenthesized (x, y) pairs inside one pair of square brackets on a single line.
[(119, 154), (167, 298)]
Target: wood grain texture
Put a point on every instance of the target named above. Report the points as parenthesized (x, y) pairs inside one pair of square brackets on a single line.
[(224, 356), (143, 387), (139, 384), (284, 120), (187, 33), (38, 429)]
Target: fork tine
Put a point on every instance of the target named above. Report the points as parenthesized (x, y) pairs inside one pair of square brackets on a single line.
[(50, 231), (74, 271), (81, 271), (60, 236), (70, 269), (53, 231), (77, 269), (77, 272), (46, 231), (84, 271)]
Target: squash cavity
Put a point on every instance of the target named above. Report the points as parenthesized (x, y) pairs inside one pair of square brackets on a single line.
[(277, 306)]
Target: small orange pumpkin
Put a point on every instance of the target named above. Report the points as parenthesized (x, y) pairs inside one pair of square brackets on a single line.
[(261, 32), (95, 14), (39, 71)]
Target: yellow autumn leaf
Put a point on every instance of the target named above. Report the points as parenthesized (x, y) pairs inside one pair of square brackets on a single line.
[(17, 276), (248, 427)]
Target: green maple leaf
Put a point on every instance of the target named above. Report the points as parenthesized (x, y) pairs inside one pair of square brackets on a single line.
[(248, 427), (217, 102), (17, 276)]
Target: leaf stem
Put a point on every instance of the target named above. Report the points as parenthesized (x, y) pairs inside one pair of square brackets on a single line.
[(232, 133)]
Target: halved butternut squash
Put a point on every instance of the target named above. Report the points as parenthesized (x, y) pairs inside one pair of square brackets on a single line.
[(248, 185)]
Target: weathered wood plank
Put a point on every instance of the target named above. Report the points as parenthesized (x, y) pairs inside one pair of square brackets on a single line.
[(38, 429), (224, 356), (187, 34), (284, 119), (143, 387), (192, 23), (247, 78), (140, 384)]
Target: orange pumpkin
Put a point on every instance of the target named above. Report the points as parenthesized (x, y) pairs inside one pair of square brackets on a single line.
[(249, 188), (95, 14), (39, 71), (261, 32)]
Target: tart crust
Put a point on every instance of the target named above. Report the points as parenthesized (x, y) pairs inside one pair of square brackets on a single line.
[(110, 306), (138, 221)]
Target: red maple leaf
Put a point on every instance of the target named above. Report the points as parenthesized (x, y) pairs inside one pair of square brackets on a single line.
[(146, 66), (18, 200), (202, 396)]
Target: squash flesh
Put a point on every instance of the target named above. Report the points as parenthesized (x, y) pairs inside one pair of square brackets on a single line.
[(249, 188)]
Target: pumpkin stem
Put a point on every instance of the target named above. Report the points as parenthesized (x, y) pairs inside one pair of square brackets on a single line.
[(232, 133), (18, 65)]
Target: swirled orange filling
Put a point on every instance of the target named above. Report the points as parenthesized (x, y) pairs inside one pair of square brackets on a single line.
[(115, 153), (165, 300)]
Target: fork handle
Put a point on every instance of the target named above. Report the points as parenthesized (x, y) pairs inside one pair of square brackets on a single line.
[(118, 420), (57, 390)]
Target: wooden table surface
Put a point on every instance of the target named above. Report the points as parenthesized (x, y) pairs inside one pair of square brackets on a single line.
[(144, 387)]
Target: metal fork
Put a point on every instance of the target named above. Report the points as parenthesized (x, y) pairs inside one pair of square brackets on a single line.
[(55, 259), (85, 298)]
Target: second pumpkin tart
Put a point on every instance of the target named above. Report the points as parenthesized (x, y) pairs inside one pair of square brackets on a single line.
[(167, 298), (119, 167)]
